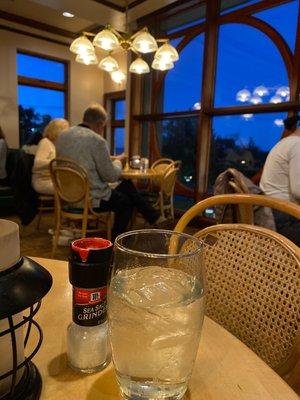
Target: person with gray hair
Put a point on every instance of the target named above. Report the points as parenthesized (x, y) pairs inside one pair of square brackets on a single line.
[(84, 144)]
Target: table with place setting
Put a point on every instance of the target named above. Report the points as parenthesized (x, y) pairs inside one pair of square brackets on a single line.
[(225, 368)]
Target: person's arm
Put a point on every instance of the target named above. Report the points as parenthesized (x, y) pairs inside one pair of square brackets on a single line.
[(294, 171), (44, 155), (108, 171)]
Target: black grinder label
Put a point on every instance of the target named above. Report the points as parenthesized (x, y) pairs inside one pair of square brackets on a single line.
[(89, 306)]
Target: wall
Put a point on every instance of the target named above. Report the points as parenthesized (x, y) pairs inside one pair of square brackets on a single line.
[(86, 83)]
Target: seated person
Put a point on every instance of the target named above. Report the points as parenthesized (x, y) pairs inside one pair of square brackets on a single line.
[(281, 179), (3, 155), (41, 180), (30, 147), (84, 143)]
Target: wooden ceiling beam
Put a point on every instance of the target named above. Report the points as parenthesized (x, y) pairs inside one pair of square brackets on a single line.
[(36, 24)]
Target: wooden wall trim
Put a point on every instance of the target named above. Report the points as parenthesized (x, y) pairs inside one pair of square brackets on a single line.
[(33, 35), (36, 24)]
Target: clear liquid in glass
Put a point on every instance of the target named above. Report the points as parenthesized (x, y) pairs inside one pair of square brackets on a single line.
[(155, 320)]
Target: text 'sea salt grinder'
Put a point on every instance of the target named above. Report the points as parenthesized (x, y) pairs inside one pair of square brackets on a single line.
[(88, 348)]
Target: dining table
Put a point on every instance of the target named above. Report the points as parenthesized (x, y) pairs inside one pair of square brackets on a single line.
[(149, 173), (225, 368)]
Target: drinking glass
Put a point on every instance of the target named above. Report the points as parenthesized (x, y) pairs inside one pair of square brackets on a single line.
[(155, 311)]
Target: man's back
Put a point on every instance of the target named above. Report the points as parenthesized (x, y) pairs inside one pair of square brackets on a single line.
[(90, 150), (281, 173)]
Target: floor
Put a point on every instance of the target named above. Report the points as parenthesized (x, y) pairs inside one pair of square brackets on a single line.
[(38, 242)]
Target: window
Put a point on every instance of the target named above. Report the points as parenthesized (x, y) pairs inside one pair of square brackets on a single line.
[(243, 142), (115, 130), (177, 140), (247, 62), (224, 102), (185, 79), (42, 93)]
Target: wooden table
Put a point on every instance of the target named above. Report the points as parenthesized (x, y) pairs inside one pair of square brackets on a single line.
[(131, 173), (225, 368)]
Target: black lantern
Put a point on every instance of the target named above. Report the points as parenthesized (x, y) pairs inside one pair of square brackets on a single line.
[(23, 283)]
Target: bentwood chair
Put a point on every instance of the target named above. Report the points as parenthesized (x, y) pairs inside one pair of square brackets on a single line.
[(73, 202), (45, 204), (161, 164), (165, 200), (253, 278)]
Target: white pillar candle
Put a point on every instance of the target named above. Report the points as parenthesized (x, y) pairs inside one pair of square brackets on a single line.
[(9, 255)]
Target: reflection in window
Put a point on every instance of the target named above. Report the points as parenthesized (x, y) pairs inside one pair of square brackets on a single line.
[(243, 142), (177, 140), (250, 69), (284, 19)]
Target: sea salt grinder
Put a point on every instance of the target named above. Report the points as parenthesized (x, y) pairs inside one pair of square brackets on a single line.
[(88, 349)]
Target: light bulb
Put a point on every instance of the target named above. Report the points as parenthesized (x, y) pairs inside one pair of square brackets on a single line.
[(260, 91), (161, 65), (167, 53), (243, 95), (276, 99), (144, 43), (109, 64), (139, 66), (106, 40), (82, 45), (118, 76), (86, 59)]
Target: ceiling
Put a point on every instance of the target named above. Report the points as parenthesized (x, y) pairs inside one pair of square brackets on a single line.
[(44, 17)]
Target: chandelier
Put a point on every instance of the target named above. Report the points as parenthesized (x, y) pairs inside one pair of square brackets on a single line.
[(110, 40)]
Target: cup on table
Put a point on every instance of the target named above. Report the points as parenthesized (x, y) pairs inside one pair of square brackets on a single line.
[(155, 311)]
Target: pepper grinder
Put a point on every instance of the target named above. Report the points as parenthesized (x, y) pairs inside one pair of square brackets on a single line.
[(88, 348)]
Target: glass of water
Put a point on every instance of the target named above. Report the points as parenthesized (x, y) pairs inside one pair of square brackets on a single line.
[(155, 310)]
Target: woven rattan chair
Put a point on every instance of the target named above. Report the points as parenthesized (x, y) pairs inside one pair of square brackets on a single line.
[(71, 186), (253, 277)]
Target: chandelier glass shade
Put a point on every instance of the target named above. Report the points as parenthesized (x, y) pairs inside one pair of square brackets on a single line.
[(142, 42)]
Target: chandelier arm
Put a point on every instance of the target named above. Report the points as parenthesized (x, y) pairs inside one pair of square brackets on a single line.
[(119, 36), (88, 34), (138, 32), (135, 51)]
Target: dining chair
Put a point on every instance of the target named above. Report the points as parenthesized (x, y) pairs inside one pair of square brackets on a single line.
[(72, 200), (253, 277), (165, 199), (161, 164), (45, 204), (233, 181)]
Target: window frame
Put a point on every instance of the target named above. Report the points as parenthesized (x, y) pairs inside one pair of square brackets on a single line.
[(210, 27), (110, 100), (44, 84)]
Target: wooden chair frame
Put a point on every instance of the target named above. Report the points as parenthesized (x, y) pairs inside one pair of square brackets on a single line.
[(74, 172), (248, 199)]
